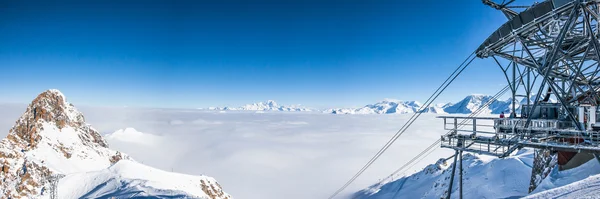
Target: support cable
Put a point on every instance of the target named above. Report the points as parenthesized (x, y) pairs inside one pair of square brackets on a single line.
[(475, 113), (430, 100), (431, 148)]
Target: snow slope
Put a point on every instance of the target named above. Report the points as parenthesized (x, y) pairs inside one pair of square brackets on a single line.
[(483, 177), (488, 177), (586, 188), (52, 138), (580, 182), (127, 179)]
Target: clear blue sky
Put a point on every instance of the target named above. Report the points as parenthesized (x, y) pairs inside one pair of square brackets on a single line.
[(192, 54)]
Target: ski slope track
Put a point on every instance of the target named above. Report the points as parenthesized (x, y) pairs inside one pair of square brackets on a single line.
[(52, 138)]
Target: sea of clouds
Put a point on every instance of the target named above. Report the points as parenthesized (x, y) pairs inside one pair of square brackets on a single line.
[(262, 155)]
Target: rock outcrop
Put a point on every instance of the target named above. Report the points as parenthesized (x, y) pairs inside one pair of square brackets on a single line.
[(52, 139), (50, 126)]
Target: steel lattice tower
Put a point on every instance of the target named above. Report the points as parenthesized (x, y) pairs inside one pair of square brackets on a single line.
[(551, 48), (548, 53), (53, 181)]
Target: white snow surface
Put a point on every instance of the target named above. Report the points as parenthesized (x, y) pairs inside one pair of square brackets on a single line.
[(127, 179), (580, 182), (83, 157), (483, 177), (586, 188), (488, 177)]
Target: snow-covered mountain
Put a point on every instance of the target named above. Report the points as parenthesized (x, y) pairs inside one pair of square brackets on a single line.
[(269, 105), (52, 139), (468, 105), (389, 106), (392, 106), (473, 102), (487, 177)]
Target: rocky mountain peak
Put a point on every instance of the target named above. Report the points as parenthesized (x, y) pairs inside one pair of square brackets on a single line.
[(51, 107), (272, 103), (51, 139)]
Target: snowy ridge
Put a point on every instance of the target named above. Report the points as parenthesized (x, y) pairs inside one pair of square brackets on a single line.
[(269, 105), (389, 106), (467, 105), (473, 102), (51, 137), (496, 106), (393, 106), (126, 179)]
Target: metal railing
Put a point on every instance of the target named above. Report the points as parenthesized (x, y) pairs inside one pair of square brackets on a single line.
[(501, 136), (535, 124), (476, 125)]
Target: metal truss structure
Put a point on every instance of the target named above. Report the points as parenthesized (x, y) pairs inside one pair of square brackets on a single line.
[(548, 53)]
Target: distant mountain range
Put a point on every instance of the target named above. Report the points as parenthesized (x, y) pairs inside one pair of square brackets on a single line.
[(467, 105), (269, 105), (389, 106)]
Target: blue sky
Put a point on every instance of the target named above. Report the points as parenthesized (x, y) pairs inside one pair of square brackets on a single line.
[(229, 53)]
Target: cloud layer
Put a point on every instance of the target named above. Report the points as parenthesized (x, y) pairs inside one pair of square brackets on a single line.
[(131, 135), (262, 155)]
